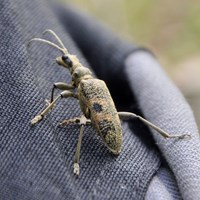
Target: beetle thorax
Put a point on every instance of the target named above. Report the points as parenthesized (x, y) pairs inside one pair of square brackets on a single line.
[(80, 73)]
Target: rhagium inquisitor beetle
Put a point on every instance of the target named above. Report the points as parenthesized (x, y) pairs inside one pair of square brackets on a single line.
[(95, 101)]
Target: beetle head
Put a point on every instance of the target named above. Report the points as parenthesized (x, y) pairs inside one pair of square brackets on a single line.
[(68, 61)]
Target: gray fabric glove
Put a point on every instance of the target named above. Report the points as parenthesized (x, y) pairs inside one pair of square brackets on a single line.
[(36, 161)]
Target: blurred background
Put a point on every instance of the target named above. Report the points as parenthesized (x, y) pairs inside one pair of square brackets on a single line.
[(171, 29)]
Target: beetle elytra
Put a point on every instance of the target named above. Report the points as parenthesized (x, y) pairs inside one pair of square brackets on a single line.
[(95, 102)]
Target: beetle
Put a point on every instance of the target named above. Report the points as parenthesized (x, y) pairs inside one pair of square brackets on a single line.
[(95, 102)]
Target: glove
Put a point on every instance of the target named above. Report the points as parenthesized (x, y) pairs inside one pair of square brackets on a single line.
[(36, 161)]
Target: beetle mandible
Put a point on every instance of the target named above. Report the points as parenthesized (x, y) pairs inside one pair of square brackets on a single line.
[(95, 102)]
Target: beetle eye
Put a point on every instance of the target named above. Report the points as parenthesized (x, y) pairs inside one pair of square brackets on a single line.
[(67, 60), (75, 74), (65, 57)]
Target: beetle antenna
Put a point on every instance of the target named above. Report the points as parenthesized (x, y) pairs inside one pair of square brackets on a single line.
[(56, 36), (63, 50)]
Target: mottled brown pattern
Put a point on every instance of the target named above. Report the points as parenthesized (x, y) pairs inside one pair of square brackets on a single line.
[(94, 94)]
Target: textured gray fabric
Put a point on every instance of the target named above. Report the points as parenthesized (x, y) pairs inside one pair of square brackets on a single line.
[(152, 92), (163, 104), (163, 186), (36, 161)]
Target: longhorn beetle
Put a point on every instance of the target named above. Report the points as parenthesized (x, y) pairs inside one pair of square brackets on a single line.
[(95, 102)]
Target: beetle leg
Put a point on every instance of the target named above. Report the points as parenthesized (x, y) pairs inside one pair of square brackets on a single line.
[(76, 120), (83, 122), (40, 116), (128, 115), (60, 86)]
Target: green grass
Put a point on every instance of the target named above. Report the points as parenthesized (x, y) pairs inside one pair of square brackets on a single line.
[(171, 28)]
